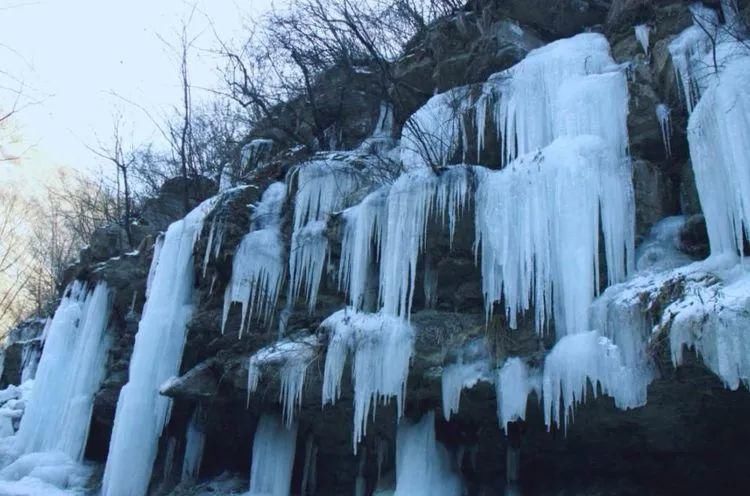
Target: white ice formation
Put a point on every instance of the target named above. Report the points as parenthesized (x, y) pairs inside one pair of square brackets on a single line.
[(665, 124), (195, 441), (555, 202), (381, 347), (259, 264), (718, 133), (471, 366), (513, 385), (423, 465), (324, 186), (642, 32), (70, 372), (273, 458), (141, 412), (580, 359), (412, 200), (571, 84), (291, 357)]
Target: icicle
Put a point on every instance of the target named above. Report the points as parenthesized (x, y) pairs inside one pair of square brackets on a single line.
[(381, 346), (30, 355), (360, 483), (307, 260), (70, 371), (259, 264), (309, 469), (384, 126), (434, 132), (690, 52), (254, 154), (324, 186), (524, 97), (512, 386), (410, 202), (642, 35), (141, 412), (713, 321), (195, 440), (579, 358), (430, 283), (423, 465), (364, 226), (718, 134), (292, 357), (665, 123), (555, 202), (471, 367), (273, 458)]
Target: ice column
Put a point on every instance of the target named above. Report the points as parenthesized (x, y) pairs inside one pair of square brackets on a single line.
[(70, 371), (273, 458), (195, 440), (718, 134), (423, 465), (141, 412)]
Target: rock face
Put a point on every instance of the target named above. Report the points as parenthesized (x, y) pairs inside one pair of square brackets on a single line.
[(21, 347), (685, 440)]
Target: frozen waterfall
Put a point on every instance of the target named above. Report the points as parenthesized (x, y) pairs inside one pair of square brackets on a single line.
[(142, 412), (70, 371), (273, 458), (554, 202), (423, 465)]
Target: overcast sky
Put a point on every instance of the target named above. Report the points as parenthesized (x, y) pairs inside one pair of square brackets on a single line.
[(73, 56)]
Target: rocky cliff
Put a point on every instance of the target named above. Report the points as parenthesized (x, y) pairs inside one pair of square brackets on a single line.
[(688, 438)]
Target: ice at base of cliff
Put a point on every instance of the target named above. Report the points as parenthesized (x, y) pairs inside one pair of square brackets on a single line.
[(712, 319), (423, 465), (273, 458), (141, 412), (660, 250), (45, 474)]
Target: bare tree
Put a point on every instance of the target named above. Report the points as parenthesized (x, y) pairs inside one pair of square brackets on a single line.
[(122, 156), (14, 279)]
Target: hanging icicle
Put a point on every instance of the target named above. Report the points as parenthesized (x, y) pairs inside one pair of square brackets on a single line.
[(381, 346)]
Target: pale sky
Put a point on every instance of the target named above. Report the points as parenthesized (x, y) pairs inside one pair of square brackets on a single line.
[(73, 55)]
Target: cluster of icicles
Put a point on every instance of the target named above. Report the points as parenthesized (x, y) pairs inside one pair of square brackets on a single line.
[(565, 178), (560, 116)]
